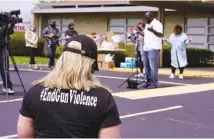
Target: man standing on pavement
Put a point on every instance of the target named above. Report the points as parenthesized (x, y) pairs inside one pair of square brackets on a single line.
[(51, 34), (153, 34)]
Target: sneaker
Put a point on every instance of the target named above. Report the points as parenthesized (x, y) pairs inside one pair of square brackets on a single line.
[(152, 87), (172, 76), (146, 85), (9, 91), (181, 77), (37, 68), (50, 67)]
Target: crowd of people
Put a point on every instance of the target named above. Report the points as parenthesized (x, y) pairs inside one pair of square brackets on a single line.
[(69, 101), (51, 34)]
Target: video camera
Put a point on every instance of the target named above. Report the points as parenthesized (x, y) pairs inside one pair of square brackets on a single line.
[(8, 21)]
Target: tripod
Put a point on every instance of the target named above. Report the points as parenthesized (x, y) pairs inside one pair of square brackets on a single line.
[(134, 83), (6, 52)]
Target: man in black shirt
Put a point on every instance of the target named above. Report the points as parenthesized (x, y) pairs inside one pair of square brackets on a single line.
[(70, 102)]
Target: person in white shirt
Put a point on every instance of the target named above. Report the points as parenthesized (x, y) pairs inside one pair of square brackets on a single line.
[(31, 40), (153, 34)]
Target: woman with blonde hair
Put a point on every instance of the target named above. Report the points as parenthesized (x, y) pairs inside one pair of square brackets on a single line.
[(31, 40), (179, 41), (69, 101)]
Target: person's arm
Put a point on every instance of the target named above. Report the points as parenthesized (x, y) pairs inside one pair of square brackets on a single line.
[(142, 33), (27, 39), (110, 127), (110, 132), (66, 35), (45, 33), (157, 30), (25, 127), (57, 35), (187, 40), (36, 40), (25, 124), (76, 32), (169, 40)]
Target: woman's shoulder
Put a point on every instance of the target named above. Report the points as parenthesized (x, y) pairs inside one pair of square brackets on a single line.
[(101, 92), (35, 88)]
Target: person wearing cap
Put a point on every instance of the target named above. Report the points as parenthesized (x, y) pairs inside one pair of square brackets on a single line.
[(51, 34), (70, 32), (31, 40), (69, 102)]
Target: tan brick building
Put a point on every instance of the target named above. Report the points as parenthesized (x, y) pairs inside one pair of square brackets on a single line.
[(117, 16)]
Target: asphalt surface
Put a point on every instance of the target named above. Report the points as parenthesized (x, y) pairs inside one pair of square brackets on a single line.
[(195, 119)]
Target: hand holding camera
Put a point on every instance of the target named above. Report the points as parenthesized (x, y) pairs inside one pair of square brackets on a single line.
[(51, 35)]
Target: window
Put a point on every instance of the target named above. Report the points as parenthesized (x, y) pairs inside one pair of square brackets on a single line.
[(122, 25), (196, 28)]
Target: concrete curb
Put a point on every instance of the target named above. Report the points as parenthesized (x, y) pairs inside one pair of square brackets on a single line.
[(161, 72)]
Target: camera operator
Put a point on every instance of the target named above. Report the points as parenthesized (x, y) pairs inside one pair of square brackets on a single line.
[(5, 58), (70, 32), (51, 34), (138, 39), (7, 24)]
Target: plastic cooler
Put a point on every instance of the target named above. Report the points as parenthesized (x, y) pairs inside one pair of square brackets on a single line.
[(131, 60), (127, 65)]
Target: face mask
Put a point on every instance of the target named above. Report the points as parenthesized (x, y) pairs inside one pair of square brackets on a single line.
[(33, 29), (53, 25)]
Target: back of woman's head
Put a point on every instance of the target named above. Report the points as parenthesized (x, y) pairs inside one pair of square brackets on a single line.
[(72, 71)]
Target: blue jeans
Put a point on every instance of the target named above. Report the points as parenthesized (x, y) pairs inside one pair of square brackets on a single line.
[(51, 53), (151, 63)]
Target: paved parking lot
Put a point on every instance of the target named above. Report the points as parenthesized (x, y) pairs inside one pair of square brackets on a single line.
[(176, 109)]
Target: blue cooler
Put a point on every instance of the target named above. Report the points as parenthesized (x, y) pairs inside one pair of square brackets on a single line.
[(131, 60), (127, 65), (123, 65)]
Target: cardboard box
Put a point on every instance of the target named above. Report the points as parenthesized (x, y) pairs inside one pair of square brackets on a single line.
[(108, 65), (109, 35), (100, 64), (101, 57)]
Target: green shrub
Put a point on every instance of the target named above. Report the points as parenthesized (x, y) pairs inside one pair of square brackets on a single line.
[(19, 48), (196, 57), (18, 45)]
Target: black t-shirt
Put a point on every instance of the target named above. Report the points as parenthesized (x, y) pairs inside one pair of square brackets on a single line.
[(69, 113), (71, 33)]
